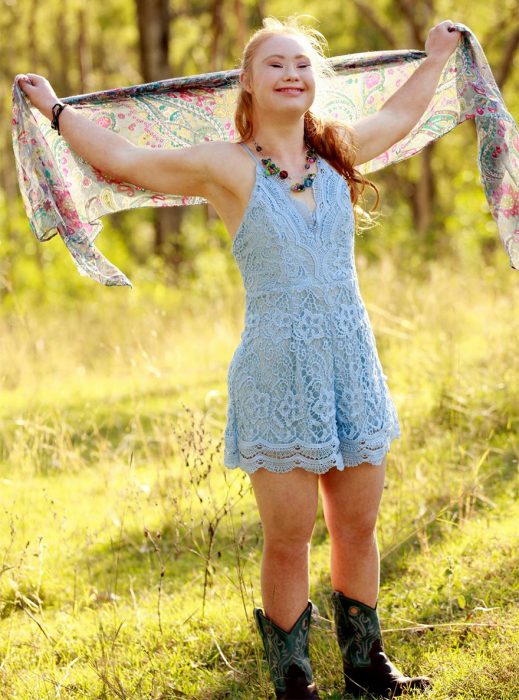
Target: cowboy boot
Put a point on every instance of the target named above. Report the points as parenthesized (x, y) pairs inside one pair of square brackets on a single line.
[(287, 656), (366, 666)]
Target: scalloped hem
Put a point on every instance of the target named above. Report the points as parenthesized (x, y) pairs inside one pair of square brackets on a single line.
[(251, 456)]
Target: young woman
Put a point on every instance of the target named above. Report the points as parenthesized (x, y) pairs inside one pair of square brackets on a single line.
[(308, 401)]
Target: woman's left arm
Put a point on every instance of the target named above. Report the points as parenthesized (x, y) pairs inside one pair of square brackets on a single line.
[(378, 132)]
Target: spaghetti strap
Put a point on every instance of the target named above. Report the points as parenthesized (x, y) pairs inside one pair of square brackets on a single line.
[(249, 151)]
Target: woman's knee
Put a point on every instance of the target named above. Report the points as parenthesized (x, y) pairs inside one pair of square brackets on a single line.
[(286, 547), (353, 526), (288, 536), (358, 529), (291, 533)]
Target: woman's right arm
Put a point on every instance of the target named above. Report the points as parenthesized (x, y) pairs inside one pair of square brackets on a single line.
[(190, 171)]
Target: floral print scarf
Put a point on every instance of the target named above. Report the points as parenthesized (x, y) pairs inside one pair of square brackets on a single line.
[(64, 195)]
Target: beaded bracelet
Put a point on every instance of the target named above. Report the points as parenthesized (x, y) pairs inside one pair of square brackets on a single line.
[(57, 109)]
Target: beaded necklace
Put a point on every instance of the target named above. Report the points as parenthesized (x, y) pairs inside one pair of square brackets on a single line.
[(272, 169)]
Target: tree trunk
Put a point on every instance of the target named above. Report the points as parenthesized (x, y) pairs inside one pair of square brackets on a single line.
[(153, 17), (84, 52), (63, 49), (507, 62), (217, 33), (241, 25), (153, 20), (258, 12), (423, 197)]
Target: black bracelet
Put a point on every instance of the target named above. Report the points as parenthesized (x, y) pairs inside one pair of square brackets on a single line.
[(56, 111)]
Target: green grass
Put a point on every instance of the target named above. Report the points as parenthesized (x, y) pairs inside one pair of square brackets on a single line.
[(130, 557)]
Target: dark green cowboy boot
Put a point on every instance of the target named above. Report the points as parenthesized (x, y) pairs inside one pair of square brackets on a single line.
[(287, 656), (366, 666)]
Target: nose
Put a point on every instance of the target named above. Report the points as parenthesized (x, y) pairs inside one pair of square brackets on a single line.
[(291, 72)]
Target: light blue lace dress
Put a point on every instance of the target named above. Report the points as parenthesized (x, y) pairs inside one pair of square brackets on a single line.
[(305, 384)]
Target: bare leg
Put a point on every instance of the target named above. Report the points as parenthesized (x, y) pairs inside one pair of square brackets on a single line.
[(287, 505), (351, 500)]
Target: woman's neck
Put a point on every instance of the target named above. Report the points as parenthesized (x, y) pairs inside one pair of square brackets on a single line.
[(282, 141)]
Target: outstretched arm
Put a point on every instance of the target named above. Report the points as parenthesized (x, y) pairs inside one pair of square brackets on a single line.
[(181, 171), (398, 115)]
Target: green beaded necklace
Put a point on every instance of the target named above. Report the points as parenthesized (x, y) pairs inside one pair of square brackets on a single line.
[(272, 169)]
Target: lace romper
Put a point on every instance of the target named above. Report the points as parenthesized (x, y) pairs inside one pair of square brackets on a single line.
[(305, 384)]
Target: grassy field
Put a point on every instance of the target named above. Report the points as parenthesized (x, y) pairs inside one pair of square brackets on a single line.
[(130, 557)]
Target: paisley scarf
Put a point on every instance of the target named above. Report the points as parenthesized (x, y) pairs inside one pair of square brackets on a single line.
[(63, 194)]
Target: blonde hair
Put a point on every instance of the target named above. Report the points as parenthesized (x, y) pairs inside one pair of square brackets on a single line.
[(326, 136)]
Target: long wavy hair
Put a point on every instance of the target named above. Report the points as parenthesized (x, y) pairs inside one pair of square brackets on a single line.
[(326, 136)]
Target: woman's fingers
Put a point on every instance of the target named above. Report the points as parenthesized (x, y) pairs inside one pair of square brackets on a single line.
[(38, 90), (25, 81), (30, 79), (443, 39)]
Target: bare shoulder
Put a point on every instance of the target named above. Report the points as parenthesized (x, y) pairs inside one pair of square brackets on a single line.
[(223, 173), (228, 164), (232, 176), (219, 164)]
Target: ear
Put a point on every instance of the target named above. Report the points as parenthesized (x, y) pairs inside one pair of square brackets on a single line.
[(244, 81)]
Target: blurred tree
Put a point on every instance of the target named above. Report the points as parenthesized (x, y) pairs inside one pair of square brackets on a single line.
[(84, 50), (217, 29), (241, 23), (153, 18)]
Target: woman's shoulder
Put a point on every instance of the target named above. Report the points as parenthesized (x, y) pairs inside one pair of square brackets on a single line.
[(230, 176), (223, 149), (229, 164)]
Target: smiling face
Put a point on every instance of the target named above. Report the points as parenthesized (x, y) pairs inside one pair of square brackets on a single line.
[(281, 78)]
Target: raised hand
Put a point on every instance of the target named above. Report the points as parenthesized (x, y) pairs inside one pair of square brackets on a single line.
[(39, 91), (442, 40)]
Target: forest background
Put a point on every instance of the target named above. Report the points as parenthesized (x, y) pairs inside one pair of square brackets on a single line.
[(122, 538)]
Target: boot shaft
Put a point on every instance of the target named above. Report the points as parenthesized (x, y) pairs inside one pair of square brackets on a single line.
[(366, 666), (287, 652), (358, 630)]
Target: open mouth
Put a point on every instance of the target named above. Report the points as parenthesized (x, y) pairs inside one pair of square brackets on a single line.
[(291, 91)]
